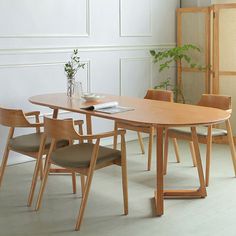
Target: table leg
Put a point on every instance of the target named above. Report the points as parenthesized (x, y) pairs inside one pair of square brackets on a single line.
[(55, 113), (89, 125), (202, 189), (159, 197), (231, 143), (160, 193)]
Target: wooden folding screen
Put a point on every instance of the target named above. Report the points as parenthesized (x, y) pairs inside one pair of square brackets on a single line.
[(193, 27), (213, 29), (224, 54)]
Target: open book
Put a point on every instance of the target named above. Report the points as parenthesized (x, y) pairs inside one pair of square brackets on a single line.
[(108, 107)]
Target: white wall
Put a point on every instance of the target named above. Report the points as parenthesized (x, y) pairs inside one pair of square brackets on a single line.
[(203, 3), (195, 3), (113, 36), (222, 1)]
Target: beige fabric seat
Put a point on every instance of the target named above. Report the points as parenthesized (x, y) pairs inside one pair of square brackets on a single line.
[(79, 155), (31, 142), (31, 145), (83, 158)]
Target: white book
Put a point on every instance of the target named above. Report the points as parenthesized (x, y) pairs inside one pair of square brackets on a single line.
[(108, 107)]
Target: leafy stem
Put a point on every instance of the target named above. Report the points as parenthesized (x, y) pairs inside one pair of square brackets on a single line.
[(179, 55), (72, 66)]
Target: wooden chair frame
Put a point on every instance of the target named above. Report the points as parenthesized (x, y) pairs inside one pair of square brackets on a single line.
[(13, 118), (208, 100), (153, 94), (16, 118), (57, 129)]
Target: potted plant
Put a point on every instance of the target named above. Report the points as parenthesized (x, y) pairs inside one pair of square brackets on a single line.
[(71, 68), (167, 57)]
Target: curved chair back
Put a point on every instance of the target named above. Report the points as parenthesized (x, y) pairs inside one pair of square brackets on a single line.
[(13, 118), (160, 95), (216, 101), (60, 129)]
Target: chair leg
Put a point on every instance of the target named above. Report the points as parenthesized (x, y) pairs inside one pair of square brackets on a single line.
[(42, 187), (115, 137), (151, 134), (84, 201), (140, 139), (73, 175), (41, 168), (231, 143), (166, 147), (176, 147), (202, 188), (82, 181), (5, 155), (87, 185), (208, 153), (4, 163), (34, 181), (45, 175), (193, 155), (38, 167), (124, 175)]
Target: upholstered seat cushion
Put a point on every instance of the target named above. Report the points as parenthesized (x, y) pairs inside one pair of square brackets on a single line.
[(79, 155), (31, 142), (201, 130)]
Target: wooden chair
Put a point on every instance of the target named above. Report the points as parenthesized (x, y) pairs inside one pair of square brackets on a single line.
[(29, 144), (153, 94), (83, 158), (205, 134)]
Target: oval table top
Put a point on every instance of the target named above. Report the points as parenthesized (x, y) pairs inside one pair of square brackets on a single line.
[(149, 112)]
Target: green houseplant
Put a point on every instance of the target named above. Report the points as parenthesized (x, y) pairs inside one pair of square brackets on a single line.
[(178, 55), (71, 68)]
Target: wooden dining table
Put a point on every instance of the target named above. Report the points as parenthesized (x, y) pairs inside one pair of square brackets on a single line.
[(161, 115)]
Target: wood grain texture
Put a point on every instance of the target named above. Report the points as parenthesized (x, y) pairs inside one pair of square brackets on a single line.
[(145, 111)]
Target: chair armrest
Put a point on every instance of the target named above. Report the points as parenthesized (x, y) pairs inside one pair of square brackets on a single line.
[(32, 113), (36, 125), (78, 122), (104, 135)]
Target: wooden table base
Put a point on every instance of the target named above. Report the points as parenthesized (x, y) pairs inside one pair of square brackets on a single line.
[(175, 194), (160, 193)]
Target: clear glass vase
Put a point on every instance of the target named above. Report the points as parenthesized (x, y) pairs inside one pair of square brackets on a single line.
[(70, 87), (78, 90)]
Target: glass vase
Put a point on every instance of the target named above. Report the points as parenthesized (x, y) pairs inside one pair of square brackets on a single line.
[(70, 87), (78, 90)]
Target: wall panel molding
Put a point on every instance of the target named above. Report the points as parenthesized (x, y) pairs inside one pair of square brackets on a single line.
[(43, 64), (59, 35), (94, 48), (134, 59), (122, 22)]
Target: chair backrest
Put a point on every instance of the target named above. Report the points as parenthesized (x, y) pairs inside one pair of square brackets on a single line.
[(60, 129), (160, 95), (216, 101), (13, 118)]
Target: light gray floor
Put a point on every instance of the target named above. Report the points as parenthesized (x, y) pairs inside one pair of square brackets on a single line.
[(214, 215)]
